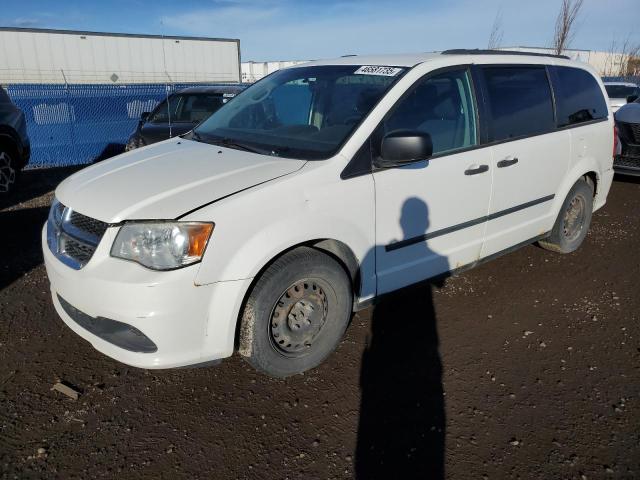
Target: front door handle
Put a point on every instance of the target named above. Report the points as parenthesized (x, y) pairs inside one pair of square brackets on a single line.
[(507, 162), (476, 169)]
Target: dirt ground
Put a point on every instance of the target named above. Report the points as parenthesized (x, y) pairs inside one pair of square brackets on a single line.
[(525, 367)]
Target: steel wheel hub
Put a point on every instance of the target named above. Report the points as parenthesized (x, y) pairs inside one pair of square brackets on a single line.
[(574, 218), (298, 317), (7, 173)]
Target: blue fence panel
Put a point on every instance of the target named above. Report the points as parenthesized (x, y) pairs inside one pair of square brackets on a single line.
[(79, 124)]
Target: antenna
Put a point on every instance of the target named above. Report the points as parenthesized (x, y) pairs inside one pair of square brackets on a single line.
[(166, 88)]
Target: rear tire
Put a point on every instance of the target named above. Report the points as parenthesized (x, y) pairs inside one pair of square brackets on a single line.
[(8, 172), (296, 314), (574, 219)]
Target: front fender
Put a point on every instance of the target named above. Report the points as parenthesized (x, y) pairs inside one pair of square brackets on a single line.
[(254, 227)]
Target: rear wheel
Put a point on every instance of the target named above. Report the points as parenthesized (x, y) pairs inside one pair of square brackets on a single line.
[(573, 221), (296, 313), (8, 172)]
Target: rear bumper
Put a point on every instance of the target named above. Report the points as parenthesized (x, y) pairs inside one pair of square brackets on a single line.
[(628, 162), (143, 318)]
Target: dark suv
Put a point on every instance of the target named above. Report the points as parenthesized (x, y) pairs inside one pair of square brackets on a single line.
[(14, 143), (180, 113), (627, 160)]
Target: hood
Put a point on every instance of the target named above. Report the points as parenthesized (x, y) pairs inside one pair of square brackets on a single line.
[(166, 180)]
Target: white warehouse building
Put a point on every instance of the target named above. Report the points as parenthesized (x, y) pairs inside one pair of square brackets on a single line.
[(46, 56), (254, 71), (605, 63)]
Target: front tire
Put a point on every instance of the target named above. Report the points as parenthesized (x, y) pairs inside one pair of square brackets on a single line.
[(8, 172), (573, 221), (296, 314)]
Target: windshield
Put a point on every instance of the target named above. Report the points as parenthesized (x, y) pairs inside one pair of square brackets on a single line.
[(621, 91), (305, 112)]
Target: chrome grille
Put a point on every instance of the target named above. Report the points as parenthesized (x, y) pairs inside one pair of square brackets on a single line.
[(86, 224), (635, 129), (75, 249), (73, 237)]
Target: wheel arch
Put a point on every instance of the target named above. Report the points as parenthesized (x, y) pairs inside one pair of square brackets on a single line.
[(588, 170), (336, 249), (9, 140), (593, 180)]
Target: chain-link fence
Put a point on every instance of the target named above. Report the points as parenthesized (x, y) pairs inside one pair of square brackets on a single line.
[(79, 124)]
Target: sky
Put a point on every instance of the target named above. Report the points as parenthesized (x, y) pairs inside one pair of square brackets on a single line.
[(302, 30)]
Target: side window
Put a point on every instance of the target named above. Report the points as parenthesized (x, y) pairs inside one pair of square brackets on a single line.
[(442, 106), (196, 108), (578, 96), (164, 112), (519, 101)]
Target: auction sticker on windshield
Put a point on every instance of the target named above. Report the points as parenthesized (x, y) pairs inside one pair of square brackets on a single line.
[(378, 70)]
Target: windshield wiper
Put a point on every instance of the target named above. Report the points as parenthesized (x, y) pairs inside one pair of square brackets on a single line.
[(193, 135), (225, 142), (230, 143)]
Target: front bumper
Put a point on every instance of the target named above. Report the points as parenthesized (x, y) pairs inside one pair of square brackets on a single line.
[(187, 324)]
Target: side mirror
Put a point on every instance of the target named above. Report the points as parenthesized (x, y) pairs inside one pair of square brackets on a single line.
[(404, 146), (632, 98), (144, 116)]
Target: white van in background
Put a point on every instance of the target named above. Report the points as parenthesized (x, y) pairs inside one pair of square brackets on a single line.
[(318, 189)]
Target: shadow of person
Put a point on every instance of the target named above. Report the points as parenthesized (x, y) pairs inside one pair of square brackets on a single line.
[(401, 431)]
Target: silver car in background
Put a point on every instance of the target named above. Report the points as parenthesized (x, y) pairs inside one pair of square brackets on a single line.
[(619, 93)]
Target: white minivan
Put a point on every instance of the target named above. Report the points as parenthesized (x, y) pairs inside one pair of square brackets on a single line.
[(319, 189)]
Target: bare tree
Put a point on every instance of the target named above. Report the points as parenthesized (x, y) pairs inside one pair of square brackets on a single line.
[(565, 21), (629, 58), (495, 38), (623, 58)]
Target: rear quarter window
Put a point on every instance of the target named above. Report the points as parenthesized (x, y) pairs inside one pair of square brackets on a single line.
[(579, 98), (519, 101)]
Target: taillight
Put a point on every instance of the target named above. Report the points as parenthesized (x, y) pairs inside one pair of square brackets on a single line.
[(615, 139)]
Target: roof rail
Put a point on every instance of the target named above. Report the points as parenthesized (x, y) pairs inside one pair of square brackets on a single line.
[(477, 51)]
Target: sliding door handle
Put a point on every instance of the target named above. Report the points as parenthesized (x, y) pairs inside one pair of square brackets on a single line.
[(476, 169), (507, 162)]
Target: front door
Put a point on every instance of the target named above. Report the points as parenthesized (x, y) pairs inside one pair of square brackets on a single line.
[(431, 215)]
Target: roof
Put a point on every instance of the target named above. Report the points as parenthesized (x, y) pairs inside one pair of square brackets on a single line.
[(214, 89), (394, 60), (413, 59), (110, 34)]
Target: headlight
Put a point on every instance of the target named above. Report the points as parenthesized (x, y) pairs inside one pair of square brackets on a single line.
[(160, 245)]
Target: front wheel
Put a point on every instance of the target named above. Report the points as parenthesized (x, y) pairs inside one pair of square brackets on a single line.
[(296, 314), (8, 172), (573, 221)]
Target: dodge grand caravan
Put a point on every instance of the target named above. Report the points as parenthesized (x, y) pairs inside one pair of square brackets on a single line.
[(318, 189)]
